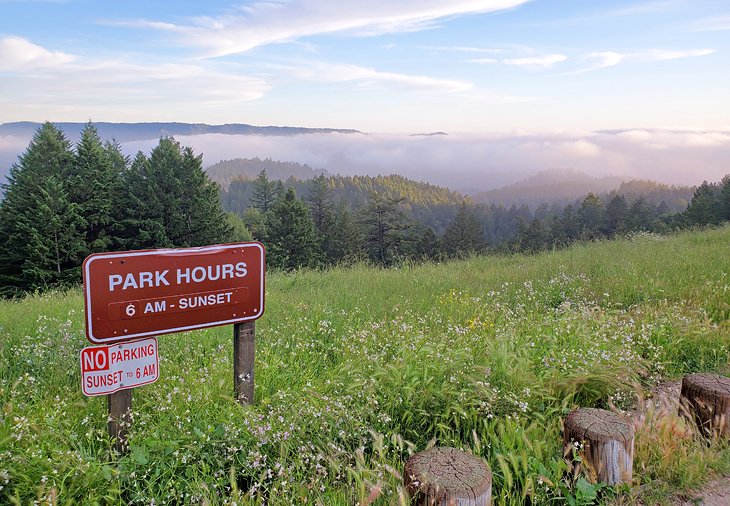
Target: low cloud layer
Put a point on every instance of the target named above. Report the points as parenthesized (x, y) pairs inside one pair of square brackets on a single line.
[(472, 163), (476, 162)]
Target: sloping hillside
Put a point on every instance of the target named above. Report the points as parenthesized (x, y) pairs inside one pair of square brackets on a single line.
[(357, 368)]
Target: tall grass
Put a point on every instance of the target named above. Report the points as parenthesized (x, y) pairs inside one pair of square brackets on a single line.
[(358, 368)]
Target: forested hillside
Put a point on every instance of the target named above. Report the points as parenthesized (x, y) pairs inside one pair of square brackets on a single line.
[(226, 171), (391, 217), (431, 205), (674, 198), (564, 186), (558, 186), (64, 202)]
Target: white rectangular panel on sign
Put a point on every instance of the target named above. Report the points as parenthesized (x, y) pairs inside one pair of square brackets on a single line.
[(107, 369)]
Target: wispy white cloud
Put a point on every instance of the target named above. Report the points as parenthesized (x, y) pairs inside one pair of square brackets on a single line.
[(270, 22), (604, 59), (603, 14), (715, 24), (465, 49), (492, 97), (364, 76), (41, 81), (19, 54), (536, 61), (484, 61), (668, 54), (640, 8)]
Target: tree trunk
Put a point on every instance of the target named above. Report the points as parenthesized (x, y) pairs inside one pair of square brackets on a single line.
[(706, 399), (448, 477), (58, 253), (608, 441)]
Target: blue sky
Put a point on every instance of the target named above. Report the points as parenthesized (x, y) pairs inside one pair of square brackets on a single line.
[(377, 66)]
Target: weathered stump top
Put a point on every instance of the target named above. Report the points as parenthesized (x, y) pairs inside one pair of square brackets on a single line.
[(708, 383), (598, 425), (440, 471)]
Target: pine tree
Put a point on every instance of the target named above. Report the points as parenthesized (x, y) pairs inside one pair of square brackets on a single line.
[(556, 232), (533, 238), (41, 241), (321, 210), (142, 226), (428, 246), (56, 244), (255, 221), (279, 189), (291, 239), (465, 234), (344, 244), (320, 202), (94, 185), (264, 192), (172, 202), (237, 198), (591, 216), (118, 160), (725, 197), (542, 212), (641, 215), (201, 219), (705, 206), (383, 225), (120, 166), (616, 216), (569, 229)]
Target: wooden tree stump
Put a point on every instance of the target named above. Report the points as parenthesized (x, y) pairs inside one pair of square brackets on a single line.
[(448, 477), (706, 397), (608, 443)]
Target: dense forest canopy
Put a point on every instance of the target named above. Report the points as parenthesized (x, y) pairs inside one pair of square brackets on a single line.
[(226, 171), (64, 202), (564, 186)]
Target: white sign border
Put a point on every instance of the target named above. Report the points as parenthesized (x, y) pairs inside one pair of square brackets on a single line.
[(171, 251)]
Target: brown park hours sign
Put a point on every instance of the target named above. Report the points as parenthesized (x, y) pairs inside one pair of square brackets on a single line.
[(135, 294)]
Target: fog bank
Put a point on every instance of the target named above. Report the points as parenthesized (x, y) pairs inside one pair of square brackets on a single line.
[(471, 162), (479, 162)]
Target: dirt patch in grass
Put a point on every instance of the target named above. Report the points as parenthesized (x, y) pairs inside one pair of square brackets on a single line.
[(714, 493)]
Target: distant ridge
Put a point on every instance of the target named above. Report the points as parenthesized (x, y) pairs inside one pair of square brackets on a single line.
[(431, 134), (561, 186), (565, 186), (226, 171), (125, 132)]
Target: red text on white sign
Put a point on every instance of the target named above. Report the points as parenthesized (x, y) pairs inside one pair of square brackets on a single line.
[(107, 369)]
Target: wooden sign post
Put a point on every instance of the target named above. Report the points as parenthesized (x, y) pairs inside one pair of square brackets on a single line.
[(138, 294), (244, 352), (120, 418), (113, 371)]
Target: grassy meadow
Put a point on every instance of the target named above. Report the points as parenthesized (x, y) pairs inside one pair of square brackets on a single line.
[(357, 368)]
